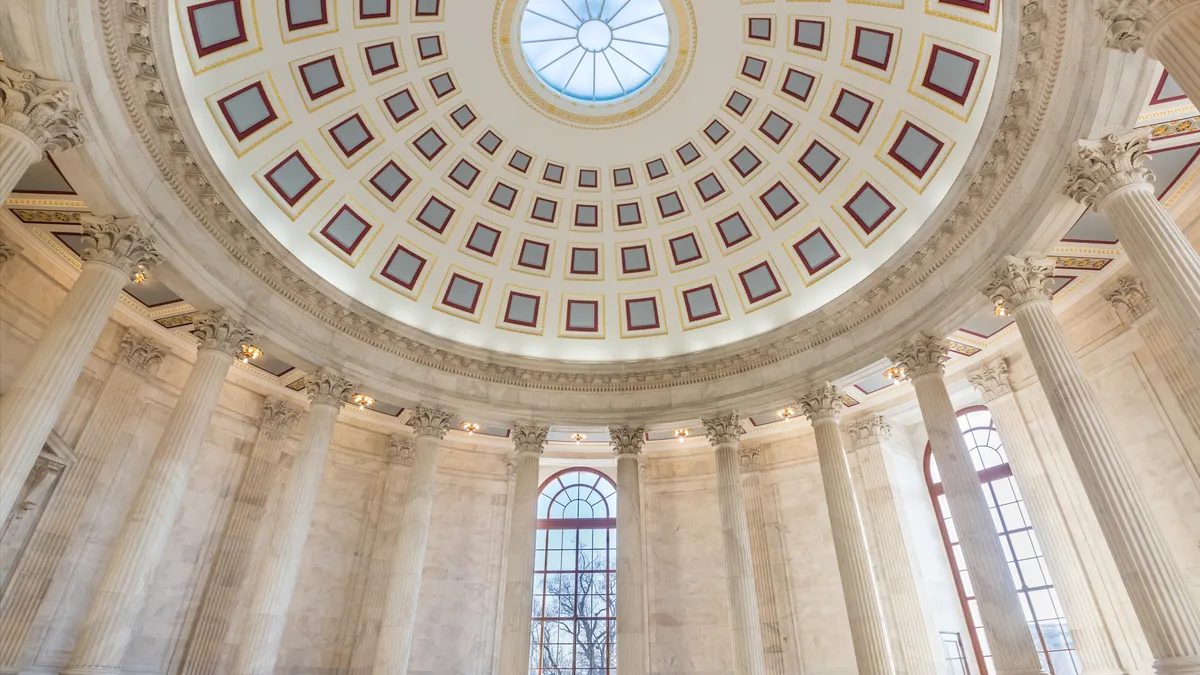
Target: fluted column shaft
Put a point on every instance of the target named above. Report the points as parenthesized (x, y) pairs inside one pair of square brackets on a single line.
[(275, 578), (108, 626), (1008, 634), (515, 628), (137, 358), (631, 565), (408, 552), (231, 564), (822, 406), (774, 650), (1166, 29), (906, 618), (723, 434), (1161, 600), (36, 115), (18, 152), (1093, 641)]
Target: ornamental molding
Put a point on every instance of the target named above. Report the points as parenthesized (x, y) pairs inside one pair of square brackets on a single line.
[(1100, 167), (278, 416), (401, 450), (132, 27), (139, 354), (45, 111), (429, 421), (118, 242), (1020, 280), (221, 331), (992, 380), (529, 438), (868, 430), (1131, 300), (325, 387), (723, 429), (922, 355), (822, 403), (627, 440)]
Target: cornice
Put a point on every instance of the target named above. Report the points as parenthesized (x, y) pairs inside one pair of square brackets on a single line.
[(1033, 57)]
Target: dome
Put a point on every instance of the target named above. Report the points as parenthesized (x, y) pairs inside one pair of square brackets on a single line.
[(731, 169)]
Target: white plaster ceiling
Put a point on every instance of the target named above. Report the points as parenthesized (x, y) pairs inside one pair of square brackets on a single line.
[(715, 111)]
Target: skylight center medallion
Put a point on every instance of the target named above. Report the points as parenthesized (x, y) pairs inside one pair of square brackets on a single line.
[(595, 51)]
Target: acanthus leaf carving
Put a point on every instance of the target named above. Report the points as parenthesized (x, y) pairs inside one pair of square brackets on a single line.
[(822, 402), (529, 437), (627, 440), (922, 355), (723, 429), (278, 416), (430, 421), (325, 387), (221, 331), (138, 353), (119, 242), (868, 430), (1101, 167), (1020, 280), (991, 381), (43, 110), (1130, 299), (401, 450)]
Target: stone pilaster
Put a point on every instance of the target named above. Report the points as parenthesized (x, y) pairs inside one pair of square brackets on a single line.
[(906, 619), (1110, 174), (528, 441), (823, 407), (1161, 600), (632, 643), (401, 454), (724, 433), (1167, 29), (232, 561), (36, 116), (8, 251), (119, 597), (115, 248), (923, 361), (137, 358), (1138, 310), (275, 578), (408, 553)]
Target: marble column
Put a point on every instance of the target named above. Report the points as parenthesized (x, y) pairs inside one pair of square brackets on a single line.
[(1093, 640), (923, 361), (114, 249), (724, 433), (823, 406), (408, 552), (108, 625), (1139, 311), (1109, 174), (36, 116), (1167, 29), (631, 563), (401, 453), (138, 357), (1161, 600), (773, 635), (515, 628), (231, 563), (905, 617), (275, 577)]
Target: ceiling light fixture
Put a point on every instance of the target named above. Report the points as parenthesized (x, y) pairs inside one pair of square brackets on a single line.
[(578, 438), (1000, 311), (139, 277), (362, 401), (682, 434), (250, 352), (786, 414), (895, 374), (470, 428)]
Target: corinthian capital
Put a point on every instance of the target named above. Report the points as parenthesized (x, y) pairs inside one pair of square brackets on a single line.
[(220, 330), (1101, 167), (627, 440), (749, 459), (278, 416), (43, 110), (401, 450), (823, 402), (1130, 299), (1020, 280), (1127, 23), (138, 353), (868, 430), (119, 242), (326, 387), (529, 438), (723, 429), (8, 251), (922, 355), (991, 381), (427, 421)]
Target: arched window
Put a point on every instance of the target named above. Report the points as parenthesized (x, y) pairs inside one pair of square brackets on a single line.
[(575, 576), (1042, 608)]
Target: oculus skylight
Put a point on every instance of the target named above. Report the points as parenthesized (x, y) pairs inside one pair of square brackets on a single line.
[(595, 51)]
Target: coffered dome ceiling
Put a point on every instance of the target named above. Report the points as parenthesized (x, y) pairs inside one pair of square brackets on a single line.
[(545, 178)]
